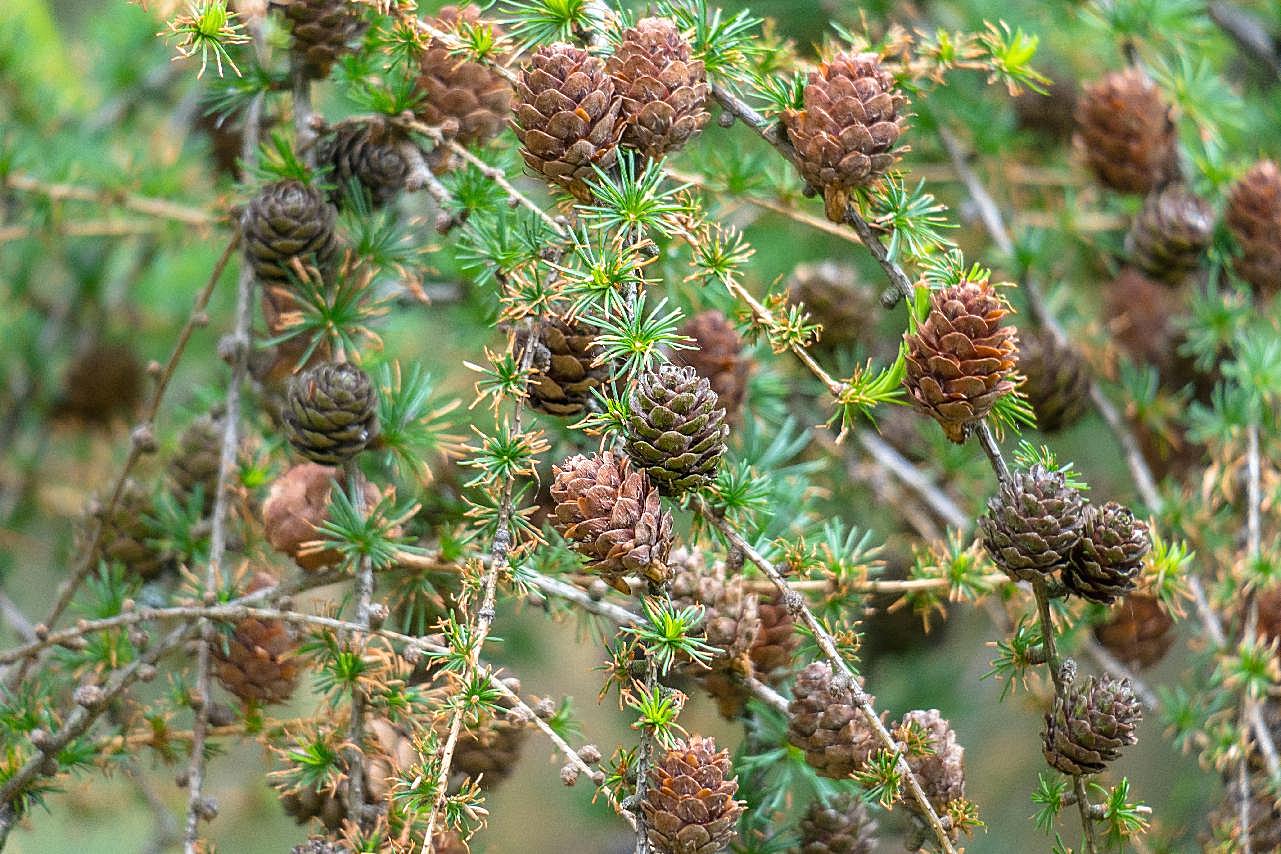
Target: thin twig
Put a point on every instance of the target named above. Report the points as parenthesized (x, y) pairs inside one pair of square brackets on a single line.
[(364, 603), (107, 197)]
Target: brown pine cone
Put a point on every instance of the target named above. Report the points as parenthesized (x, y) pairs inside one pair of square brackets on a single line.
[(389, 749), (1056, 380), (940, 772), (777, 642), (826, 724), (960, 361), (839, 826), (128, 534), (1138, 630), (1171, 233), (664, 90), (1033, 523), (613, 517), (689, 801), (297, 505), (1253, 215), (566, 364), (1125, 131), (195, 462), (838, 300), (458, 92), (254, 659), (567, 117), (490, 749), (717, 356), (1087, 731), (102, 383), (323, 30), (846, 134), (372, 157), (1109, 555)]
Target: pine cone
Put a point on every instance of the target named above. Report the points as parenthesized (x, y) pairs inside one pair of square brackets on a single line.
[(102, 383), (373, 156), (567, 373), (195, 462), (845, 135), (323, 30), (941, 773), (613, 516), (458, 91), (1033, 523), (777, 642), (826, 724), (1269, 601), (730, 623), (492, 747), (832, 295), (677, 429), (332, 413), (390, 750), (1087, 731), (1253, 215), (839, 826), (1057, 380), (567, 117), (1143, 318), (1171, 233), (255, 659), (1138, 631), (297, 505), (288, 220), (1109, 555), (961, 359), (664, 90), (689, 802), (717, 356), (1126, 132), (128, 534)]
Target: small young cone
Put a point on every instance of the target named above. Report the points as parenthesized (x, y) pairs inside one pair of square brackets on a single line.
[(567, 117), (1087, 731), (1126, 133), (1033, 523), (1109, 555), (331, 413), (1138, 631), (825, 723), (676, 432), (613, 516), (1171, 233), (664, 90), (255, 660), (845, 135), (565, 361), (196, 460), (323, 30), (1253, 215), (689, 801), (841, 825), (288, 222), (717, 356), (777, 642), (470, 98), (1056, 380), (960, 360)]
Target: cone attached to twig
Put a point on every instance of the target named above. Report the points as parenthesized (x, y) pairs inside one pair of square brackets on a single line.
[(717, 356), (297, 504), (567, 372), (941, 769), (567, 117), (323, 30), (288, 221), (689, 801), (677, 430), (255, 659), (1138, 631), (371, 157), (1110, 554), (469, 98), (613, 516), (777, 641), (1171, 233), (128, 534), (1087, 730), (1253, 215), (196, 460), (331, 413), (960, 360), (841, 825), (664, 90), (845, 135), (1125, 130), (1056, 380), (1033, 523), (825, 722)]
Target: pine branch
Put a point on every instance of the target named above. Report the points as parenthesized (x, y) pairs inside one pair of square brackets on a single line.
[(106, 197)]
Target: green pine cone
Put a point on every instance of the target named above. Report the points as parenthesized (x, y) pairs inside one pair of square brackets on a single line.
[(677, 429), (331, 413)]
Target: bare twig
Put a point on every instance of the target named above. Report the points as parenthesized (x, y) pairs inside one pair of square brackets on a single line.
[(159, 208)]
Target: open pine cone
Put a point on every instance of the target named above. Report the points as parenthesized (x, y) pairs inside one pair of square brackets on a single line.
[(689, 802), (825, 723), (1126, 133), (323, 30), (941, 772), (664, 90), (255, 660), (1109, 555), (1056, 380), (470, 98), (567, 372), (371, 157)]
